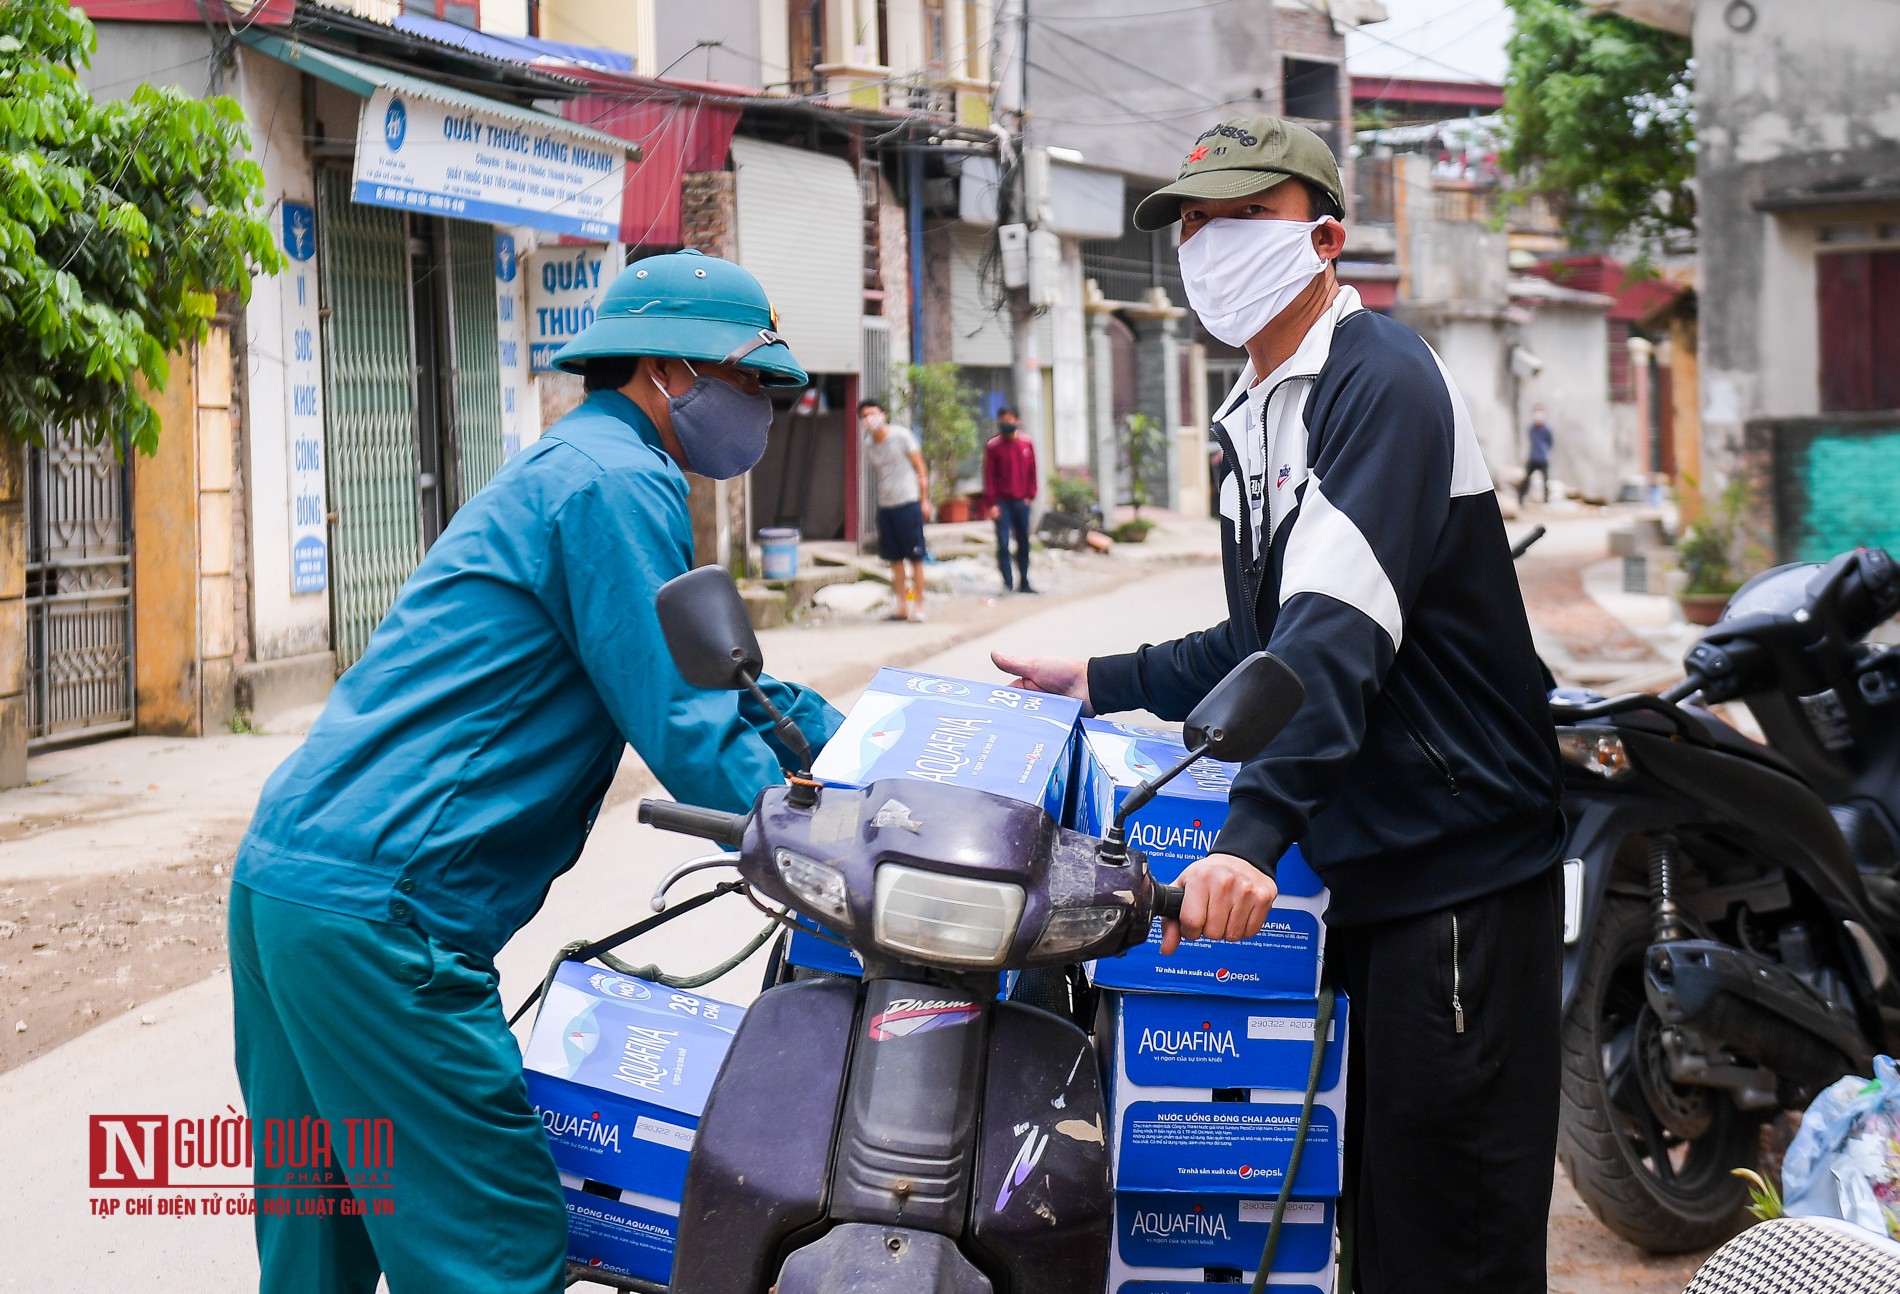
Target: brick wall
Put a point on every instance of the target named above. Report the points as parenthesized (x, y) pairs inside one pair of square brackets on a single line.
[(708, 212), (1306, 34)]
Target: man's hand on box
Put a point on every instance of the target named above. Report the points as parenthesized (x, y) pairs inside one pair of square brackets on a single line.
[(1062, 676), (1227, 898)]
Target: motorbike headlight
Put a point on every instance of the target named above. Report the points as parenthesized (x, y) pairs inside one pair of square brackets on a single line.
[(1597, 750), (820, 887), (1073, 928), (946, 918)]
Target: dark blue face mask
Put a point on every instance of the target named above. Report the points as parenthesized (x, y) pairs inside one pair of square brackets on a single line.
[(721, 428)]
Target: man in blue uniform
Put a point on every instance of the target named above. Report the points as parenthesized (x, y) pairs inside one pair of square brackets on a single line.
[(456, 772)]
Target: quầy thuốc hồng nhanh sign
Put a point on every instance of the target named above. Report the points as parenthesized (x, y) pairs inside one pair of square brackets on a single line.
[(418, 155)]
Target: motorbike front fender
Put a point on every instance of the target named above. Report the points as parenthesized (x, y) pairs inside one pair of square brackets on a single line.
[(866, 1258)]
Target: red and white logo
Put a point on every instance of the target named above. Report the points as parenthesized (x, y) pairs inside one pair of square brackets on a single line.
[(908, 1016), (129, 1150)]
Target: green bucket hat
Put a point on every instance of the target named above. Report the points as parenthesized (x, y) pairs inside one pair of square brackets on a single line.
[(1240, 156), (687, 305)]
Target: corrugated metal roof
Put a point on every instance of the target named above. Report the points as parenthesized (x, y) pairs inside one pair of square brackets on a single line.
[(365, 79)]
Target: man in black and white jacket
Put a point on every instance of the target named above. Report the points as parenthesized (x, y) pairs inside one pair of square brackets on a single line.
[(1363, 545)]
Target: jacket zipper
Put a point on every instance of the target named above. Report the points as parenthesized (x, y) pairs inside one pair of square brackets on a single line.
[(1432, 754), (1457, 1006)]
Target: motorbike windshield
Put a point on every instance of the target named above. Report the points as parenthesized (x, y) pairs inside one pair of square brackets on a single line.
[(1779, 592)]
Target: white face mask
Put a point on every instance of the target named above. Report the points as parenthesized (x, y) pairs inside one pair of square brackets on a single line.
[(1239, 274)]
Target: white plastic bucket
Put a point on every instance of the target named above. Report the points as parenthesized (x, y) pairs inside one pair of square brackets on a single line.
[(781, 553)]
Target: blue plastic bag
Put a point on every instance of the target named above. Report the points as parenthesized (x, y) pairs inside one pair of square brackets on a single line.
[(1845, 1161)]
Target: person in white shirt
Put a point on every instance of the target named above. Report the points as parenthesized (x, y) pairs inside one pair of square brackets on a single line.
[(903, 505)]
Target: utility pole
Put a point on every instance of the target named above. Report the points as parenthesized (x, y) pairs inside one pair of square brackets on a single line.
[(1028, 381)]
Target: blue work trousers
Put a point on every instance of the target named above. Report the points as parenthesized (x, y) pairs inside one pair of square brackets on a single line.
[(352, 1022)]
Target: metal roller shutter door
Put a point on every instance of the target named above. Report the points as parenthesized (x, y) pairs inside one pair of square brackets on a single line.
[(369, 410), (801, 231)]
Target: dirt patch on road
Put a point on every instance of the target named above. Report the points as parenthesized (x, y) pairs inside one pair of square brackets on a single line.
[(1557, 604), (76, 951)]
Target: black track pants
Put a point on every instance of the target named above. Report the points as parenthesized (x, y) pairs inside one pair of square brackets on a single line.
[(1451, 1137)]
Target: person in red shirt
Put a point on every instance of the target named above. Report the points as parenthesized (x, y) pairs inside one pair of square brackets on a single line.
[(1009, 478)]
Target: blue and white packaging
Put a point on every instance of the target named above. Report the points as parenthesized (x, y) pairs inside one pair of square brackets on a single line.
[(1181, 1140), (1175, 829), (1182, 1041), (1126, 1278), (1200, 1231), (619, 1071), (1284, 959), (931, 728), (815, 952), (1179, 825), (1207, 1133)]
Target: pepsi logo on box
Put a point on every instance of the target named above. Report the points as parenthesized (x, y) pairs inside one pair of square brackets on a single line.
[(930, 727), (618, 1070)]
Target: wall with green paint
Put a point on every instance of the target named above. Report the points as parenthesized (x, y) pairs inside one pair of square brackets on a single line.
[(1837, 487)]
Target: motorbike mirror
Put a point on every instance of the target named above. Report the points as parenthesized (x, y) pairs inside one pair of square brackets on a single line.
[(1234, 722), (708, 631), (1246, 710)]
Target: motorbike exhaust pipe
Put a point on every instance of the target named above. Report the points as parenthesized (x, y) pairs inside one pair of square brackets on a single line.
[(1757, 1008)]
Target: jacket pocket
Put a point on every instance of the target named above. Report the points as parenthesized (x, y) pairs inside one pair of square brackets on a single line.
[(1433, 756)]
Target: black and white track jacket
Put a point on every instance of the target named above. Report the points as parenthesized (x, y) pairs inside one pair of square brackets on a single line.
[(1422, 769)]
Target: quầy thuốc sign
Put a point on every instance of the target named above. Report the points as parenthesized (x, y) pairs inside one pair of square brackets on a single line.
[(564, 290), (418, 155)]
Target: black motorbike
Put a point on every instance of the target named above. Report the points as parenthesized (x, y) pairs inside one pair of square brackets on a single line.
[(909, 1132), (1732, 907)]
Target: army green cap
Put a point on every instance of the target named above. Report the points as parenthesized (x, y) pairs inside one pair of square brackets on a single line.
[(1240, 156)]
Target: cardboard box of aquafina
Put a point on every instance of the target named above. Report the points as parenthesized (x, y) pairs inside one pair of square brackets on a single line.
[(1175, 829), (618, 1071), (914, 726)]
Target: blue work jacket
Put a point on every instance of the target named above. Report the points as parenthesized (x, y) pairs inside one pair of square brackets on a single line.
[(460, 763)]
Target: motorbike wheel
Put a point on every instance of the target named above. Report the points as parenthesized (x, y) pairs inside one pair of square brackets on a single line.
[(1651, 1158)]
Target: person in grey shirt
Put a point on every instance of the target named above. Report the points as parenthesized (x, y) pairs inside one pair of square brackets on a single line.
[(903, 502)]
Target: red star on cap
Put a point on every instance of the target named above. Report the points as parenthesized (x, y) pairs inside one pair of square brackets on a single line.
[(1198, 154)]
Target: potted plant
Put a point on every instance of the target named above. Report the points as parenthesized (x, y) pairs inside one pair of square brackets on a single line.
[(941, 408), (1144, 448), (1711, 553)]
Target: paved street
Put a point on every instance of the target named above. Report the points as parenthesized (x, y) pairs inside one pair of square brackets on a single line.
[(112, 810)]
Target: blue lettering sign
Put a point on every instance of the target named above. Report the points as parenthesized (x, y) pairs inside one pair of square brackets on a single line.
[(395, 125)]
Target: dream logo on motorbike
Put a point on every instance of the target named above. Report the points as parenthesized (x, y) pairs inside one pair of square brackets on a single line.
[(907, 1016)]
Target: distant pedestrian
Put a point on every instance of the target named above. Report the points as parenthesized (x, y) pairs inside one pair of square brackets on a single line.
[(1541, 440), (903, 502), (1009, 478)]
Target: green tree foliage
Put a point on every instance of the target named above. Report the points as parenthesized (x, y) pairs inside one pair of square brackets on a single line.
[(1598, 117), (941, 408), (120, 222), (1145, 450)]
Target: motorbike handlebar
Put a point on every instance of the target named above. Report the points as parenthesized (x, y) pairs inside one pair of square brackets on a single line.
[(1523, 545), (689, 820), (1168, 900)]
